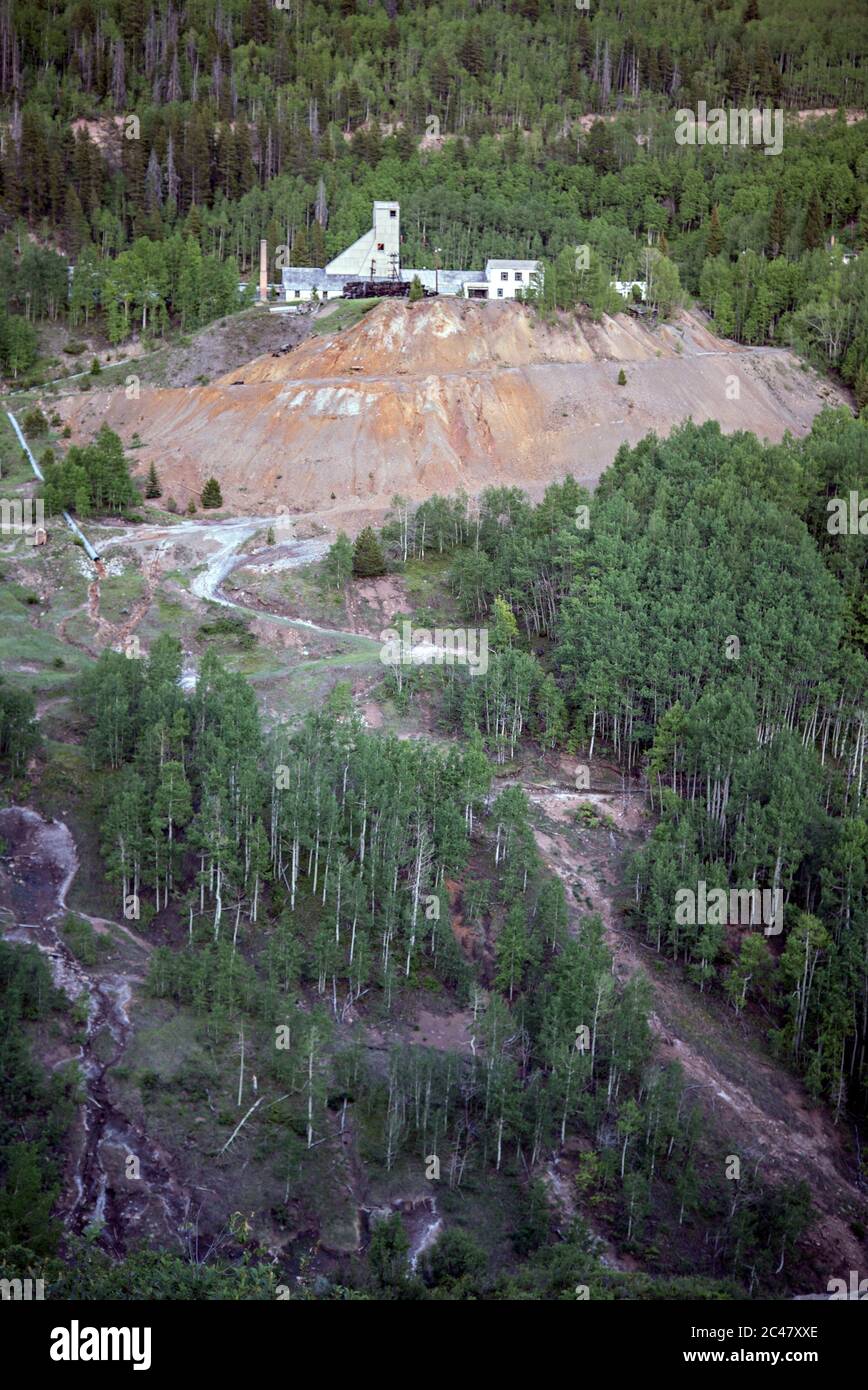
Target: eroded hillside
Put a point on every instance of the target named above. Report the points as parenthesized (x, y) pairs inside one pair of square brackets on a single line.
[(444, 395)]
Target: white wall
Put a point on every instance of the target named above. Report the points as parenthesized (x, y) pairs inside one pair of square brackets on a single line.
[(508, 282), (625, 287), (303, 294), (387, 234), (356, 260), (373, 252)]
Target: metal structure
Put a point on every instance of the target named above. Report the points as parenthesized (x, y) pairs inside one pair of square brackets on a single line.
[(376, 289)]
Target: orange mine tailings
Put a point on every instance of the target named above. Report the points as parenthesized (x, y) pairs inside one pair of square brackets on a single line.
[(446, 394)]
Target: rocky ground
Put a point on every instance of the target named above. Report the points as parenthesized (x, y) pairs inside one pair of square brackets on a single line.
[(443, 395)]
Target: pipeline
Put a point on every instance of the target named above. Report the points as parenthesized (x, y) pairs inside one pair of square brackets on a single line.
[(73, 525)]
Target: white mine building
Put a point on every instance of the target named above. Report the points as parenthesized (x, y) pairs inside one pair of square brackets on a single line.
[(377, 256)]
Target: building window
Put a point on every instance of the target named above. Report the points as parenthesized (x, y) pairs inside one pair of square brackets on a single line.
[(500, 294), (504, 275), (381, 246), (518, 275), (392, 212)]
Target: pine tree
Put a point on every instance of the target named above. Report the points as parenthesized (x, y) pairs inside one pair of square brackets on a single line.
[(211, 495), (622, 377), (600, 148), (387, 1254), (300, 255), (777, 225), (152, 485), (368, 560), (815, 228), (318, 255), (714, 243), (472, 52), (416, 290), (76, 230), (441, 79)]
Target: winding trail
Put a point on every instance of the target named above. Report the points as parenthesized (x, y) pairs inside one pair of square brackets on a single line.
[(763, 1106), (228, 539)]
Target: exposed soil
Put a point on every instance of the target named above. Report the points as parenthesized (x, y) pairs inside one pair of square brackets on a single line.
[(102, 1187), (447, 394), (221, 347), (754, 1107)]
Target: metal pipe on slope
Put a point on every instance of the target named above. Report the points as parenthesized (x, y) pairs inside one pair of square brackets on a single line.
[(73, 525)]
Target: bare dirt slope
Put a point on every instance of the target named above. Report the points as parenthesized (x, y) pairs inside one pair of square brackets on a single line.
[(753, 1105), (447, 394), (226, 343)]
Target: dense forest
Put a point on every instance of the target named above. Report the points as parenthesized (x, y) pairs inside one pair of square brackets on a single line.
[(153, 147), (310, 869), (291, 877), (698, 625), (750, 728)]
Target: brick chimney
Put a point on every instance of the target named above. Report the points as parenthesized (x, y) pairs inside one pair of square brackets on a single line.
[(263, 272)]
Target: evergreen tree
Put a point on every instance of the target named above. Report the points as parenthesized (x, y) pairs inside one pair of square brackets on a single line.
[(368, 559), (152, 485), (814, 232), (714, 241), (212, 497), (777, 224), (599, 148)]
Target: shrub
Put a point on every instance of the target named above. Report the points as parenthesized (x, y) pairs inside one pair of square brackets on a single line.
[(34, 422), (455, 1255), (83, 941), (230, 625)]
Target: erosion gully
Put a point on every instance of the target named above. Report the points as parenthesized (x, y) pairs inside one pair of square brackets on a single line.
[(36, 873), (37, 870)]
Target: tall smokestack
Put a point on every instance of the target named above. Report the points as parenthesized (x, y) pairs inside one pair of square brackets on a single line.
[(263, 271)]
